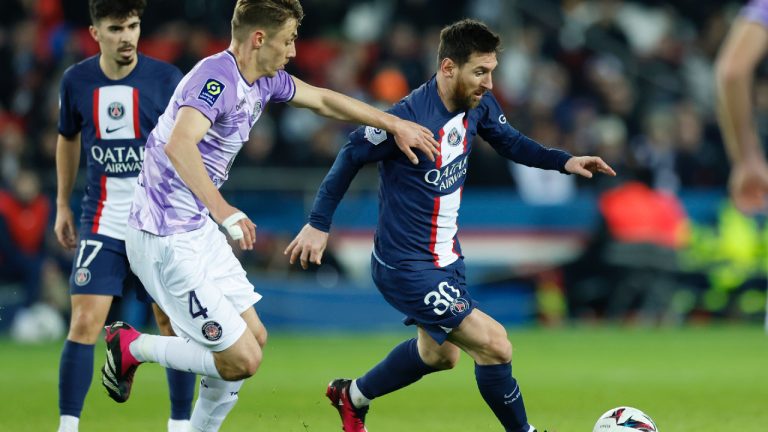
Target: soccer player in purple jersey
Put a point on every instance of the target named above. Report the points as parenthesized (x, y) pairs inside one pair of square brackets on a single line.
[(743, 50), (108, 105), (173, 242), (417, 263)]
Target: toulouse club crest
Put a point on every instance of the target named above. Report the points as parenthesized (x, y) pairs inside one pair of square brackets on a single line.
[(212, 330)]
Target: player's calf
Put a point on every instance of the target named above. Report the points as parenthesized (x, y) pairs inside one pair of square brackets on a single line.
[(241, 360)]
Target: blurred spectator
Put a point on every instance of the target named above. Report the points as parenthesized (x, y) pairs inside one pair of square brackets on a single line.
[(24, 217)]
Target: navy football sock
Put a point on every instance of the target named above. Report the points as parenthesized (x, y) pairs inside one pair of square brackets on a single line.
[(182, 389), (402, 367), (75, 373), (502, 394)]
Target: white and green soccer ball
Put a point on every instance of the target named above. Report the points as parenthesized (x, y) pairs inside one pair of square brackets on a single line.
[(625, 419)]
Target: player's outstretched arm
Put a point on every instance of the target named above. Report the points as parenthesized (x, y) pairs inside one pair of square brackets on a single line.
[(585, 166), (190, 127), (308, 246), (331, 104), (67, 162), (744, 48)]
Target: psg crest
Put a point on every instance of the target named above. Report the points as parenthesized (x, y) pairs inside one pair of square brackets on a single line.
[(116, 110), (82, 276), (212, 331), (459, 306)]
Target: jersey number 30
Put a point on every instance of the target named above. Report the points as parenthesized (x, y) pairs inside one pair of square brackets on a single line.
[(441, 299)]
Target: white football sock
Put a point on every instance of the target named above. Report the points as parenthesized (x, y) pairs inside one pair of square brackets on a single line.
[(68, 423), (358, 399), (215, 400), (178, 425), (176, 353)]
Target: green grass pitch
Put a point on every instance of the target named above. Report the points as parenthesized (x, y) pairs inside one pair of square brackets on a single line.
[(688, 380)]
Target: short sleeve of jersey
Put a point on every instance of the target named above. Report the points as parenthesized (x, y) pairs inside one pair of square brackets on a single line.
[(756, 10), (210, 91), (70, 120), (282, 87)]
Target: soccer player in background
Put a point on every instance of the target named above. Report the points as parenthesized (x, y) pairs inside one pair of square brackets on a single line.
[(108, 105), (741, 53), (173, 242), (417, 263), (743, 50)]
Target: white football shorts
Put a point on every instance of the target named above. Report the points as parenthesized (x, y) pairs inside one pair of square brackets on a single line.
[(197, 280)]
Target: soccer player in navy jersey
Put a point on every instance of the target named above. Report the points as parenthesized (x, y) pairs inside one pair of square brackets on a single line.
[(108, 105), (743, 50), (417, 263)]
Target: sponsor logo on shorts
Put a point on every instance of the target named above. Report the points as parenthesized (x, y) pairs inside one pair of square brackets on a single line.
[(212, 330), (459, 306), (211, 91), (82, 276)]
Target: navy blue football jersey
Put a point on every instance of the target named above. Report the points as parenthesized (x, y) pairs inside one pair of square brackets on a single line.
[(114, 118), (419, 204)]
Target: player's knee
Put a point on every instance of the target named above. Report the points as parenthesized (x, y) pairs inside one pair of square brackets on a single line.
[(84, 327), (495, 348), (261, 336), (447, 360), (243, 365)]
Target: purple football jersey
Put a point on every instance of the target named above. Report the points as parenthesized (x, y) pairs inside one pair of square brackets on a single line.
[(163, 204), (756, 10)]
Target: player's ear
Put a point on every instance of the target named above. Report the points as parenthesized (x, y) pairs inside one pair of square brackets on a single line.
[(447, 67), (257, 38), (94, 33)]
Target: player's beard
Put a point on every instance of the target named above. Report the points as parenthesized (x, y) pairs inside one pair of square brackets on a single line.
[(125, 61), (464, 99)]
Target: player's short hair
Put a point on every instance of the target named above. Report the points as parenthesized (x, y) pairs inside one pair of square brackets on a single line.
[(117, 9), (270, 14), (461, 39)]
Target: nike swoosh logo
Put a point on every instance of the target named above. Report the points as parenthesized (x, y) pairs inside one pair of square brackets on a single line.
[(108, 130)]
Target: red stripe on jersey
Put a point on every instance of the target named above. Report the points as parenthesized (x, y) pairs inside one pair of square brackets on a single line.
[(439, 160), (100, 205), (433, 235), (136, 125), (96, 112), (466, 125)]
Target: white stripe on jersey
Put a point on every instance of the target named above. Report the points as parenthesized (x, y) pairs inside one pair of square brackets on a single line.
[(112, 212), (117, 112), (446, 210), (444, 228)]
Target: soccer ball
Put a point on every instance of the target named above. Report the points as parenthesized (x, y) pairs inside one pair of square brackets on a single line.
[(625, 419)]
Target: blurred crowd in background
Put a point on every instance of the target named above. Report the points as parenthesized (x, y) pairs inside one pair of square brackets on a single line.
[(630, 81)]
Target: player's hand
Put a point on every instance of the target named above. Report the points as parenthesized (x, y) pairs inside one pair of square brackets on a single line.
[(308, 246), (64, 227), (748, 185), (238, 226), (411, 135), (585, 166)]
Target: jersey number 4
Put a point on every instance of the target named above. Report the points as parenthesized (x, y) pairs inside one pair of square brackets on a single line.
[(195, 308)]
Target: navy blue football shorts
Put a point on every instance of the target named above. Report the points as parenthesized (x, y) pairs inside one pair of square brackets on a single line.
[(434, 299), (101, 267)]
